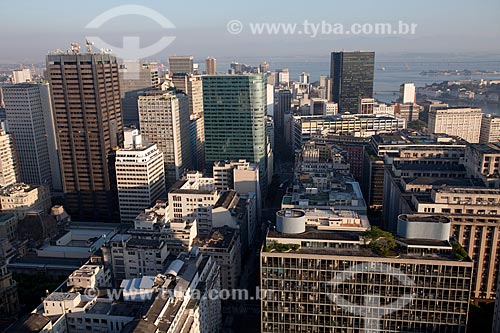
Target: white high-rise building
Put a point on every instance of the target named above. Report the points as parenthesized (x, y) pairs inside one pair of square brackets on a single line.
[(21, 75), (8, 168), (140, 176), (490, 129), (283, 75), (164, 119), (462, 122), (305, 78), (29, 118), (408, 93)]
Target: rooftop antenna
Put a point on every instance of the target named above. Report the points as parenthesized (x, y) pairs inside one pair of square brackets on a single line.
[(90, 44), (75, 48)]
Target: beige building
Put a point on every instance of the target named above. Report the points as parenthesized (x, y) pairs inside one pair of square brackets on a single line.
[(211, 66), (193, 199), (490, 129), (90, 276), (461, 122), (181, 64), (9, 172), (132, 257), (21, 198), (475, 218), (21, 75), (164, 120), (178, 234), (192, 86), (482, 161)]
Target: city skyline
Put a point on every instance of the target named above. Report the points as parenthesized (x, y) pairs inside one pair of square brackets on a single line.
[(250, 167)]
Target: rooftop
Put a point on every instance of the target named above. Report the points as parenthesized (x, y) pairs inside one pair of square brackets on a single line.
[(424, 218), (489, 148), (219, 238), (14, 189), (429, 167), (438, 181)]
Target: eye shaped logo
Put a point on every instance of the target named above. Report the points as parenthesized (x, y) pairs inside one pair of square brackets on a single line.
[(131, 50), (372, 309)]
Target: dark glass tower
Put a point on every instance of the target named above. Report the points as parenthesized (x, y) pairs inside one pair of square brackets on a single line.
[(284, 104), (352, 74), (86, 102)]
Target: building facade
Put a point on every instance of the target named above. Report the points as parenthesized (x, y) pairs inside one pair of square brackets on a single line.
[(211, 66), (490, 129), (181, 64), (326, 281), (140, 177), (135, 78), (9, 171), (164, 119), (235, 120), (461, 122), (26, 110), (352, 74), (86, 101)]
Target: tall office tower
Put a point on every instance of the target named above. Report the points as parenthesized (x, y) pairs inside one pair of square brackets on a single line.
[(140, 176), (211, 66), (264, 67), (26, 110), (305, 78), (407, 93), (459, 121), (283, 105), (322, 277), (21, 75), (490, 129), (164, 119), (181, 64), (133, 82), (235, 120), (192, 86), (352, 74), (86, 102), (9, 172), (283, 75)]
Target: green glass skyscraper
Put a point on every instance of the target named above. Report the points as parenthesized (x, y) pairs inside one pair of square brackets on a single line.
[(235, 119)]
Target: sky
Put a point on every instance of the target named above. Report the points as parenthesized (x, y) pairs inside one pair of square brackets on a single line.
[(32, 28)]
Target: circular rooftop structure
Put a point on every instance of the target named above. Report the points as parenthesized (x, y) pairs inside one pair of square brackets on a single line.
[(291, 221), (421, 226)]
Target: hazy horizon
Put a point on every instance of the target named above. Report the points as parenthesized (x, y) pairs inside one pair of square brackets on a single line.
[(32, 28)]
